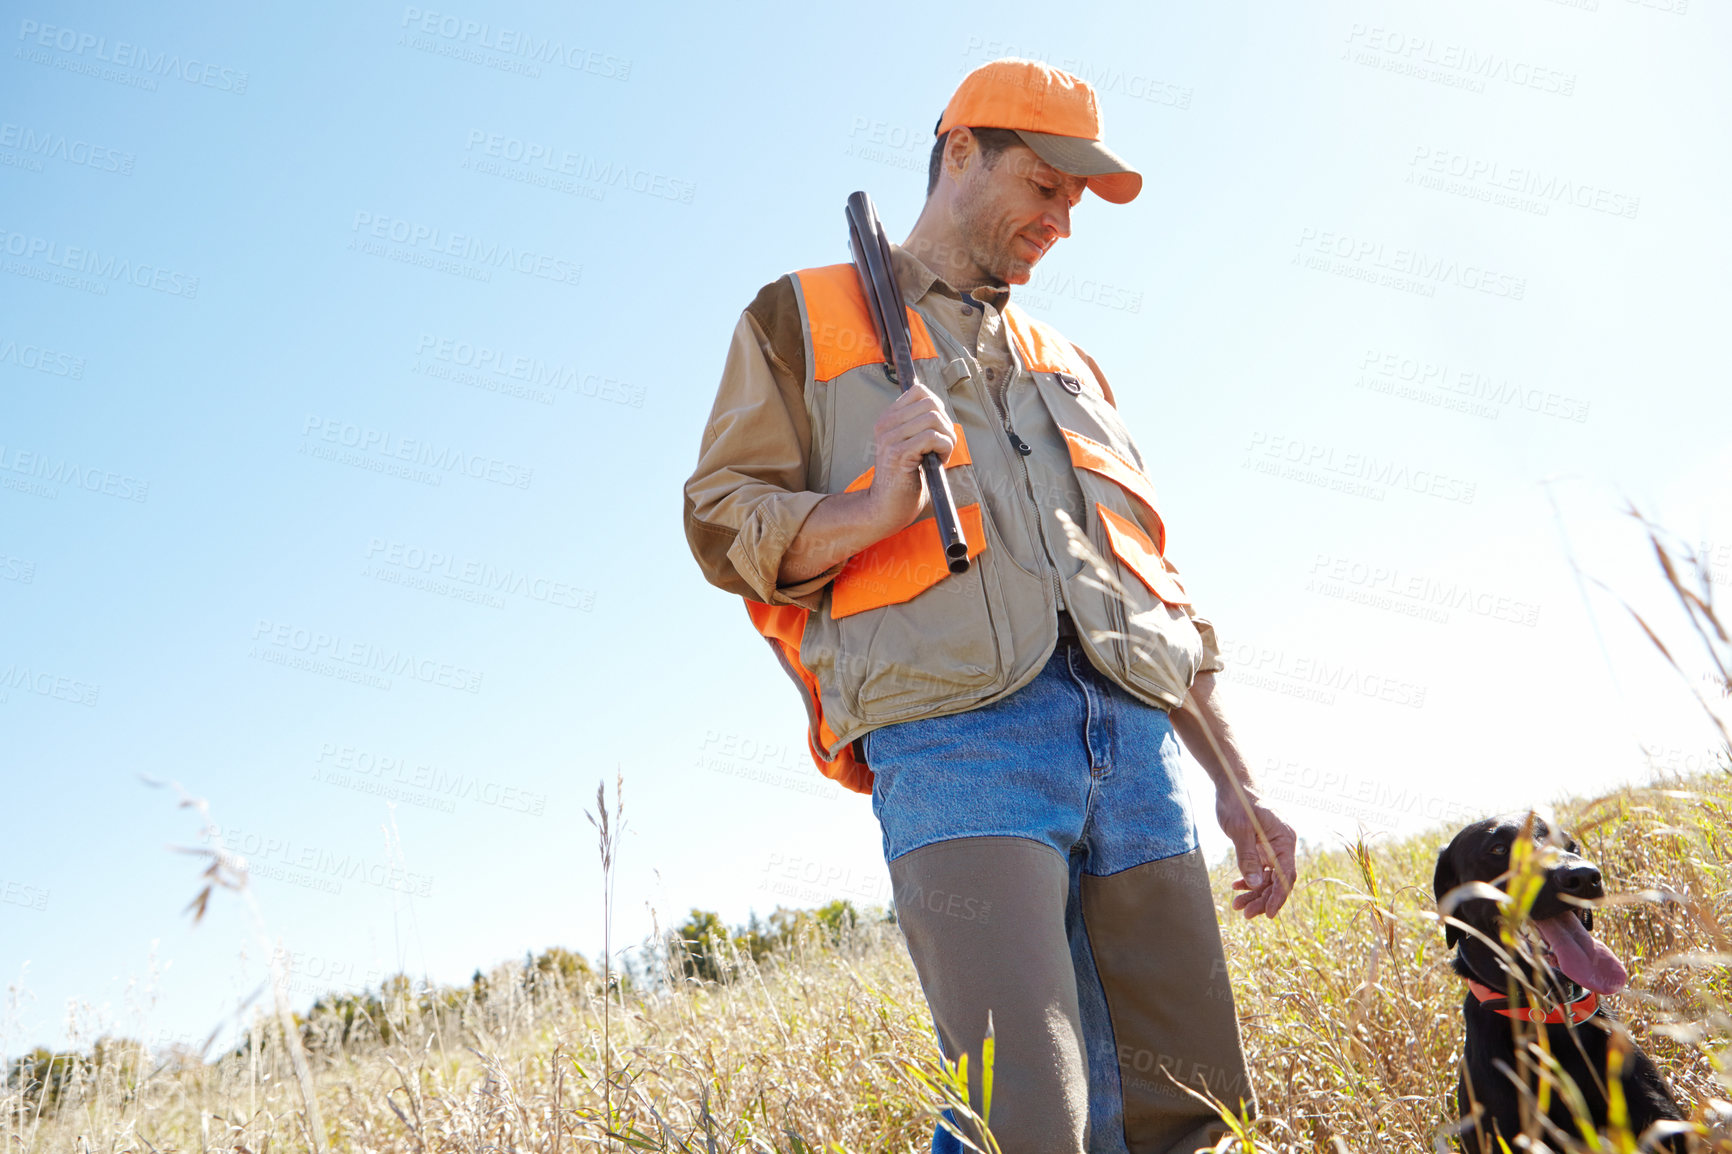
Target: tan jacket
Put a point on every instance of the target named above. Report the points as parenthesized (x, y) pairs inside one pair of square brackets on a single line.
[(890, 635)]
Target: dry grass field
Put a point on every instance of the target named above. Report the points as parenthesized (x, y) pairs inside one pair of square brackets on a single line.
[(1351, 1018)]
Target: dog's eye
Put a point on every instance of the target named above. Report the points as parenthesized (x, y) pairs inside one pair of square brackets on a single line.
[(1498, 849)]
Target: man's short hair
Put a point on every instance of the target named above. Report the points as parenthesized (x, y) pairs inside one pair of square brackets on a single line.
[(993, 141)]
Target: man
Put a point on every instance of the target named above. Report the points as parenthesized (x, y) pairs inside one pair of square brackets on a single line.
[(1015, 723)]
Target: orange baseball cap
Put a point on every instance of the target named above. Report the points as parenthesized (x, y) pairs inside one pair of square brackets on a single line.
[(1053, 112)]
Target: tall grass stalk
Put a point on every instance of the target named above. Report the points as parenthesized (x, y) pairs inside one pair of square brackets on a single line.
[(609, 829), (227, 871)]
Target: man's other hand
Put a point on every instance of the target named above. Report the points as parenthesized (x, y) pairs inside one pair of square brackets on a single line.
[(1266, 868)]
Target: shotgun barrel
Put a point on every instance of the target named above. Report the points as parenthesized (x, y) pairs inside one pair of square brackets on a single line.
[(890, 321)]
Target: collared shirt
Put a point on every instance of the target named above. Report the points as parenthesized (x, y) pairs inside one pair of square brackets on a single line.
[(976, 321)]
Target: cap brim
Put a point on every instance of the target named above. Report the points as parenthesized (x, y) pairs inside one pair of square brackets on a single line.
[(1108, 175)]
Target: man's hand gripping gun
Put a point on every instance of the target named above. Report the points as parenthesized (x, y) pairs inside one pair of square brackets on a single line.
[(890, 321)]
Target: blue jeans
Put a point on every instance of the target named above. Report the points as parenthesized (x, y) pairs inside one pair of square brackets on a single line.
[(1071, 761)]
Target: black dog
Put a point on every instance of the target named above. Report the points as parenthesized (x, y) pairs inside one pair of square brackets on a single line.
[(1572, 969)]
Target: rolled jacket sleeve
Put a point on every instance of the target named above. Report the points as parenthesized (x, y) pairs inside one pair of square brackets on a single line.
[(747, 499)]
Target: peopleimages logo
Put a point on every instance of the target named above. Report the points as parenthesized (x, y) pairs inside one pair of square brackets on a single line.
[(282, 859), (87, 46), (1361, 474), (389, 446), (90, 262), (41, 359), (43, 470), (367, 771), (432, 241), (1458, 65), (1413, 594), (494, 369), (70, 150), (554, 160), (1468, 390), (481, 576), (1365, 259), (1103, 78), (529, 48), (17, 569), (1521, 186), (1338, 791), (1311, 677), (26, 679), (15, 893), (364, 657), (1053, 283)]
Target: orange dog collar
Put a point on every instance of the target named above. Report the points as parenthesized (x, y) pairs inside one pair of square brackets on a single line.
[(1575, 1012)]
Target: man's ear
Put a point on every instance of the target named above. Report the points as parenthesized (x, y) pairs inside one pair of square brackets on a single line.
[(1444, 880), (961, 148)]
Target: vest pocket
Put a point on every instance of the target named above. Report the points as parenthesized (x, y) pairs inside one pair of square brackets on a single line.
[(911, 635), (1137, 552), (902, 566), (1148, 634)]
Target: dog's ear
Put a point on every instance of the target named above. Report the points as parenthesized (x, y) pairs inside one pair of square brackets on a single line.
[(1444, 880)]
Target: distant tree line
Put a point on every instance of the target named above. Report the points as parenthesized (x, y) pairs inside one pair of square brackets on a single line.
[(701, 949), (704, 949)]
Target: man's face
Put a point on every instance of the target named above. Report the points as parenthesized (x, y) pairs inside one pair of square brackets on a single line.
[(1011, 212)]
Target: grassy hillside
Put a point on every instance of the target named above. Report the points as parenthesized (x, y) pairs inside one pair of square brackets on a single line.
[(1351, 1018)]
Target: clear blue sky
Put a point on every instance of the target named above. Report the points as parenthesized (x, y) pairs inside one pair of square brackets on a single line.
[(355, 336)]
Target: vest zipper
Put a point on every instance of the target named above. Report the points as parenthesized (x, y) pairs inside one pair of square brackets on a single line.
[(1000, 401)]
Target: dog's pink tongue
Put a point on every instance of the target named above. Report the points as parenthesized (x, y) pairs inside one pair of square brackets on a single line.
[(1581, 956)]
